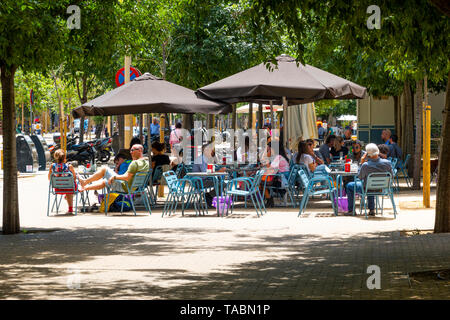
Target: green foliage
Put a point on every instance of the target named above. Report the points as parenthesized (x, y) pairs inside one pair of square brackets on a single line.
[(213, 41), (413, 39), (31, 33), (335, 107)]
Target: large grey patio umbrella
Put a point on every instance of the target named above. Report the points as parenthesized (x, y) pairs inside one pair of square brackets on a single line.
[(289, 83), (149, 94), (298, 83)]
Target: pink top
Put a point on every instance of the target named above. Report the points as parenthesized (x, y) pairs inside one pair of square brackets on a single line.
[(280, 164), (175, 136)]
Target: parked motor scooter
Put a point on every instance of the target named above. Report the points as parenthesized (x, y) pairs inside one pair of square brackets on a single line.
[(82, 153), (103, 149), (71, 140)]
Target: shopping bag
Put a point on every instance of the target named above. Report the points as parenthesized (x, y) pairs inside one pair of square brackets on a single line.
[(342, 204), (112, 198)]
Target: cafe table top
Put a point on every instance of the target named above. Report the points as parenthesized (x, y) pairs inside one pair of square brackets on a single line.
[(344, 173), (206, 174)]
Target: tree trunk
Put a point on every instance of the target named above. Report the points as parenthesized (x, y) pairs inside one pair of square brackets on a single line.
[(188, 121), (418, 145), (233, 125), (210, 121), (407, 124), (442, 222), (396, 115), (141, 128), (11, 223), (98, 130), (83, 99)]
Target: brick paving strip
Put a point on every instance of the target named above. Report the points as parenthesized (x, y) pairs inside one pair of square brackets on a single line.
[(278, 256)]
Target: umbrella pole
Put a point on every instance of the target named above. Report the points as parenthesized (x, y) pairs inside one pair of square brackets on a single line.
[(233, 126), (161, 140), (271, 115), (285, 122), (128, 128), (260, 121), (250, 116)]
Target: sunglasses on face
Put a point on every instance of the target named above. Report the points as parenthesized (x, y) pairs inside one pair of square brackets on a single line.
[(131, 150)]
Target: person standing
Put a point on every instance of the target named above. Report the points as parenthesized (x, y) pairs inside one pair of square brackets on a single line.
[(175, 139), (154, 128), (321, 131)]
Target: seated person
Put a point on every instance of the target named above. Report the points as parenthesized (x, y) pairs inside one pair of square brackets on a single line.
[(325, 149), (158, 157), (126, 152), (280, 164), (394, 150), (348, 137), (384, 150), (358, 153), (60, 168), (201, 165), (373, 164), (339, 147), (317, 155), (105, 176), (306, 156), (122, 163)]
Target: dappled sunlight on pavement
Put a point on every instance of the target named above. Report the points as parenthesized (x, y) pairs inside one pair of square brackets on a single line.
[(276, 256)]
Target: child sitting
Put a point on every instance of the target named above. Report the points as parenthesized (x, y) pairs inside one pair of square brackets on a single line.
[(61, 168)]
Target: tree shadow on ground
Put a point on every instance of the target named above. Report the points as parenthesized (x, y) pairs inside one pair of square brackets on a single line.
[(236, 265)]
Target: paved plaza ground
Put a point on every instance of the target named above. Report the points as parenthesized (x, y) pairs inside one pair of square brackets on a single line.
[(277, 256)]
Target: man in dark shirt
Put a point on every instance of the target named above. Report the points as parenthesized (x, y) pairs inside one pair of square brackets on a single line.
[(158, 157), (394, 150), (374, 164), (325, 149)]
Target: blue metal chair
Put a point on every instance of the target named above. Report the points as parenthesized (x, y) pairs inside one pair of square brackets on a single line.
[(310, 191), (251, 190), (403, 168), (184, 191), (290, 188), (378, 184), (394, 162), (138, 187), (65, 182), (155, 180)]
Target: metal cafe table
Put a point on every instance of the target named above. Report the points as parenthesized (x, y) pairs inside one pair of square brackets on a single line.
[(342, 173), (217, 178)]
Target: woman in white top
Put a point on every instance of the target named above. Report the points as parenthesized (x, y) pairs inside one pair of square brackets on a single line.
[(306, 156)]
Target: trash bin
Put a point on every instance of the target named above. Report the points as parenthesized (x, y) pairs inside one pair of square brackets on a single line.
[(27, 156), (42, 151)]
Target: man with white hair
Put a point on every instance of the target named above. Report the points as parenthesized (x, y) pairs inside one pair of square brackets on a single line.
[(373, 164)]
